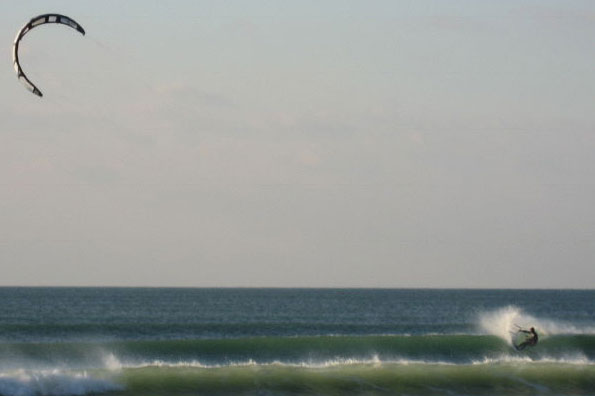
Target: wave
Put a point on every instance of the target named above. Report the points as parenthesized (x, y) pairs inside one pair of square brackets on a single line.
[(577, 360), (361, 378), (455, 349), (501, 322), (124, 370), (345, 378), (53, 383)]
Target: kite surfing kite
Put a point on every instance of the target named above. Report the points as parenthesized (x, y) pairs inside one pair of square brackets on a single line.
[(38, 20)]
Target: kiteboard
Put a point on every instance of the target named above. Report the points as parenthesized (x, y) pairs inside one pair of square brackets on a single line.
[(518, 336)]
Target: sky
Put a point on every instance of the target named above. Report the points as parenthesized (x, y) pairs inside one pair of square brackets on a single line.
[(300, 144)]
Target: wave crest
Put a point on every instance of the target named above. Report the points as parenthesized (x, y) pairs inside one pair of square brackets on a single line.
[(503, 321)]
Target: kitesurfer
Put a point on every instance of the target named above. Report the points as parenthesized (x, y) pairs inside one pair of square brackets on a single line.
[(530, 341)]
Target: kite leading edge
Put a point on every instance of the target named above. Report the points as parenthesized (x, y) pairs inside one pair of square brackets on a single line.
[(38, 20)]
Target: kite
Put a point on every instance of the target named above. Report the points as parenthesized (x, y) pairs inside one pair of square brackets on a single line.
[(38, 20)]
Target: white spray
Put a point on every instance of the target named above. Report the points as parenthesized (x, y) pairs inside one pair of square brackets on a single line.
[(503, 321)]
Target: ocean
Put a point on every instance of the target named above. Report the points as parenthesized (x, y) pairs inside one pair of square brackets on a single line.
[(160, 341)]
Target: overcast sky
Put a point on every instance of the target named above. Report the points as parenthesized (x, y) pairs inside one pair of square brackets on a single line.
[(300, 143)]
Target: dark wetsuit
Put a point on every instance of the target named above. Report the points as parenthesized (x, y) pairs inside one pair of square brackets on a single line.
[(529, 342)]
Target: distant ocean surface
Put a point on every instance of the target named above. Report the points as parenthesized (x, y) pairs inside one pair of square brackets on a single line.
[(137, 341)]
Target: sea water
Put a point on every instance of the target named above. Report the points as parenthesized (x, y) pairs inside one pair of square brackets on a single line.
[(153, 341)]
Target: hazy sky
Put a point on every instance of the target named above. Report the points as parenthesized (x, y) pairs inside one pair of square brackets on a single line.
[(300, 143)]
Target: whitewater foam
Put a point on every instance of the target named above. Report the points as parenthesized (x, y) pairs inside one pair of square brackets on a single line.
[(111, 362), (503, 321), (579, 360), (373, 361), (576, 359), (53, 383)]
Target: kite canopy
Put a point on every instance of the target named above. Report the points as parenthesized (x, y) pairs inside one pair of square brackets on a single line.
[(38, 20)]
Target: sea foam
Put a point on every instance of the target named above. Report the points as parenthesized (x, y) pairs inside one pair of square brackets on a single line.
[(503, 321), (52, 383)]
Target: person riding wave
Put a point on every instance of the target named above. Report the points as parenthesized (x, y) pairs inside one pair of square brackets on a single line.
[(530, 341)]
